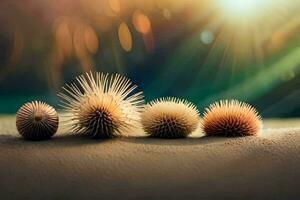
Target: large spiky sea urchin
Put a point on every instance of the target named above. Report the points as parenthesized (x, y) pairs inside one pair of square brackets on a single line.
[(37, 121), (231, 118), (169, 118), (102, 105)]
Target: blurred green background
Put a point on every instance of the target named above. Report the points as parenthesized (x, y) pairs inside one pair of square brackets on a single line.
[(199, 50)]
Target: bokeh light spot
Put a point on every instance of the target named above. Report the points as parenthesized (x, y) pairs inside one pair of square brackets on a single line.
[(141, 22), (206, 37), (115, 5), (91, 40), (167, 14), (63, 38), (125, 37)]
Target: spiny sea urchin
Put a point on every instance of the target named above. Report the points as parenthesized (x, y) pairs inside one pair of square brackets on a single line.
[(169, 118), (37, 121), (102, 106), (231, 118)]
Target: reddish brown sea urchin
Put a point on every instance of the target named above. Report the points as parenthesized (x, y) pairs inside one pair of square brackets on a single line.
[(231, 118), (102, 106), (169, 118), (37, 121)]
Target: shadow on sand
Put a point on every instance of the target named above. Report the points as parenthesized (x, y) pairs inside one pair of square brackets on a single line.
[(71, 139)]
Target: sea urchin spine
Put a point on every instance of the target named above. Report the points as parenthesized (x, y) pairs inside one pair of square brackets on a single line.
[(37, 121), (169, 118), (102, 106), (231, 118)]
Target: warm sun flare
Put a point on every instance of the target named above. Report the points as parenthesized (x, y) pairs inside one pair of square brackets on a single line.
[(241, 9)]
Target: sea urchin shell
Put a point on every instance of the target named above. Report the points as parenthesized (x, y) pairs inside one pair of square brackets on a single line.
[(169, 118), (102, 106), (231, 118), (37, 121)]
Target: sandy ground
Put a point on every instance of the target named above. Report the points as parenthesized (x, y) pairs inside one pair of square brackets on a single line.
[(74, 167)]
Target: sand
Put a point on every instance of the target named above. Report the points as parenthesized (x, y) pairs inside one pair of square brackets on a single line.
[(74, 167)]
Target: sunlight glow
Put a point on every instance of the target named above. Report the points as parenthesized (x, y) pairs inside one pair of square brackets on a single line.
[(242, 8)]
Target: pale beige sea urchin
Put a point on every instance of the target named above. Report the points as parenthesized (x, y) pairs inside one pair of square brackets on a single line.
[(169, 118), (231, 118), (37, 121), (102, 105)]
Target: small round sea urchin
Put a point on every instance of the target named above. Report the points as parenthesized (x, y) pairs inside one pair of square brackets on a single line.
[(231, 118), (37, 121), (169, 118), (102, 106)]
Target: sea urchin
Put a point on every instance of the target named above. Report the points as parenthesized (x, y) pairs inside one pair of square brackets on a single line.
[(169, 118), (231, 118), (102, 106), (37, 121)]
